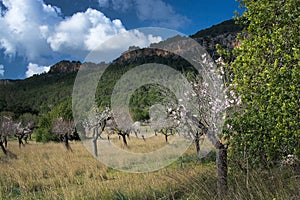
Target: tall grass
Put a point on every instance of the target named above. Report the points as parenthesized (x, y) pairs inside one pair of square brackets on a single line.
[(48, 171)]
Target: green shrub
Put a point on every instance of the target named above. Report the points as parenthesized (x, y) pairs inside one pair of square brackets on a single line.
[(44, 135)]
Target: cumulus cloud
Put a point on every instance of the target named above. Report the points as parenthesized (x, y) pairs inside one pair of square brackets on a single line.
[(1, 70), (116, 45), (39, 33), (35, 69), (157, 11), (19, 27), (83, 31)]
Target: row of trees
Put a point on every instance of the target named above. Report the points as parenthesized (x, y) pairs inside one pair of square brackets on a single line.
[(54, 125), (21, 129)]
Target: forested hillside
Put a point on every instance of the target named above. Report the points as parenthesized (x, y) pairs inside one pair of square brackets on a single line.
[(41, 93)]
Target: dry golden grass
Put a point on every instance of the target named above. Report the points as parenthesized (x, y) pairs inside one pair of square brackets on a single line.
[(49, 171), (138, 145)]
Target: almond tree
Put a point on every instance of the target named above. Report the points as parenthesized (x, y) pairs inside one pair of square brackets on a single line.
[(64, 129), (164, 120), (21, 132), (5, 127), (9, 128), (136, 128), (124, 130), (202, 112), (96, 122)]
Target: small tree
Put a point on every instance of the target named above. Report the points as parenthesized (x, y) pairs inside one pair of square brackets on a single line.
[(205, 116), (96, 122), (5, 127), (64, 129)]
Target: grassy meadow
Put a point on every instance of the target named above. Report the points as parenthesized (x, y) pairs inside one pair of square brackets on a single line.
[(49, 171)]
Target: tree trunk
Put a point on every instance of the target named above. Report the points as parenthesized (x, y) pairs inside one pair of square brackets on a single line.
[(197, 140), (95, 147), (96, 135), (128, 135), (165, 133), (3, 148), (5, 141), (20, 137), (66, 141), (222, 170), (25, 139), (124, 139)]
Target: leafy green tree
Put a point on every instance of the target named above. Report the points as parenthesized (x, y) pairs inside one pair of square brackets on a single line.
[(63, 110), (43, 133), (266, 75)]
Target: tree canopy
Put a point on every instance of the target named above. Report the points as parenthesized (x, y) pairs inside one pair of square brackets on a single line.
[(266, 75)]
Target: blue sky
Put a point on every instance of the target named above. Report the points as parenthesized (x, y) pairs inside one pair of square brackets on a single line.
[(35, 34)]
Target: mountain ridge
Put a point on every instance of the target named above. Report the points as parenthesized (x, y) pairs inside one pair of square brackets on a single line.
[(54, 87)]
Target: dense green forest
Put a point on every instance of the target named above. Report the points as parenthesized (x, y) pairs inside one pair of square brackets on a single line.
[(36, 94), (147, 95)]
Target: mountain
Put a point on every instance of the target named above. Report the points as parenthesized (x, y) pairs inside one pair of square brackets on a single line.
[(65, 67), (40, 93), (226, 27), (224, 34)]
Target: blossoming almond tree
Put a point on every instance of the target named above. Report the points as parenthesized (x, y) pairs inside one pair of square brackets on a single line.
[(64, 129)]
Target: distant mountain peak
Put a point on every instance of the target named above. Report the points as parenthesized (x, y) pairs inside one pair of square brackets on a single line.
[(225, 27), (65, 67)]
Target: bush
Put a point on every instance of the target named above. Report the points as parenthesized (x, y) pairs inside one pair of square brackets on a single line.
[(44, 135)]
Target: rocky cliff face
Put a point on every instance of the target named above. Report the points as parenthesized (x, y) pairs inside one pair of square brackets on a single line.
[(65, 67), (5, 82), (226, 40), (224, 34)]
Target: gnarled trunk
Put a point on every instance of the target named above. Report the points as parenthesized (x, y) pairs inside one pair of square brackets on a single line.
[(221, 169), (166, 138), (197, 140), (66, 142), (3, 148), (20, 137), (95, 147), (5, 141), (124, 139)]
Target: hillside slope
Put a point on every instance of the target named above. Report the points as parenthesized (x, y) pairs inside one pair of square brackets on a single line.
[(42, 92)]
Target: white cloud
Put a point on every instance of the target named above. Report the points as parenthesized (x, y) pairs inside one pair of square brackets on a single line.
[(119, 5), (160, 12), (116, 45), (157, 11), (35, 69), (19, 27), (84, 31), (103, 3), (40, 34), (1, 70)]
